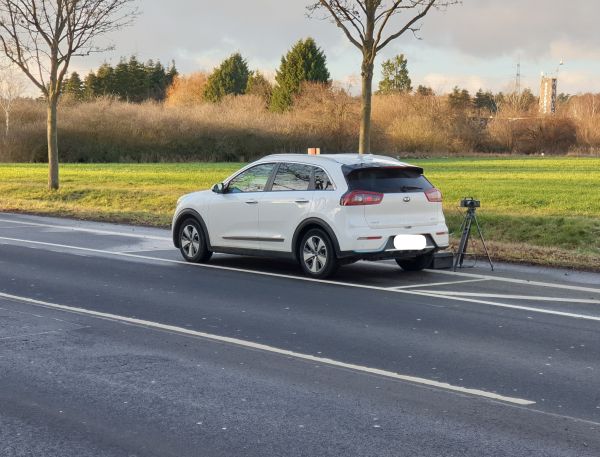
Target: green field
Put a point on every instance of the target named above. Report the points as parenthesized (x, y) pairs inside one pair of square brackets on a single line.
[(540, 210)]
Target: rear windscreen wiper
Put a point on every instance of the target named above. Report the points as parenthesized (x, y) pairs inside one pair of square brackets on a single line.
[(405, 188)]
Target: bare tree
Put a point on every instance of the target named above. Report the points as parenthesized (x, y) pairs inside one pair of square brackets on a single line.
[(11, 88), (365, 24), (41, 37)]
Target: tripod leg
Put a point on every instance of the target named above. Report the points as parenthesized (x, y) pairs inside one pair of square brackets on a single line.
[(465, 231), (466, 244), (483, 242), (461, 231)]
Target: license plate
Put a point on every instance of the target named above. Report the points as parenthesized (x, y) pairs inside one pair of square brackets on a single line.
[(410, 242)]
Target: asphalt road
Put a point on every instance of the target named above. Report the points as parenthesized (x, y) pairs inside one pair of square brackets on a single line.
[(111, 346)]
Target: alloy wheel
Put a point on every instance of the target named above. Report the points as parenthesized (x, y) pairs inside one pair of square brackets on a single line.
[(314, 254), (190, 241)]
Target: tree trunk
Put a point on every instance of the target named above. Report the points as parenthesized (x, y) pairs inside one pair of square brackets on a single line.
[(52, 144), (7, 116), (364, 146)]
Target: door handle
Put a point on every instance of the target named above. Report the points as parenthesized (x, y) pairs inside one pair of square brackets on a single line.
[(252, 202), (302, 201)]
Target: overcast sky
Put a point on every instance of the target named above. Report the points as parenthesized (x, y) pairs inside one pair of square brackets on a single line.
[(476, 44)]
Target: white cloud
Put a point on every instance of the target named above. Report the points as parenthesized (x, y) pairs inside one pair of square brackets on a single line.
[(475, 44), (568, 50), (442, 83)]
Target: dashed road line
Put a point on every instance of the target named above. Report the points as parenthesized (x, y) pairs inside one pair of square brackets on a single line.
[(88, 230), (432, 284), (521, 281), (514, 297)]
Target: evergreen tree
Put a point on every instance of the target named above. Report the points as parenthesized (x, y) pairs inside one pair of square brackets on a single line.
[(258, 85), (563, 98), (425, 91), (91, 86), (73, 87), (156, 81), (395, 77), (484, 101), (231, 77), (459, 100), (131, 80), (105, 81), (159, 80), (304, 62), (172, 73), (121, 80)]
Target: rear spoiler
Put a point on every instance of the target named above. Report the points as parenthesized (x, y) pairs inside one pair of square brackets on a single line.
[(347, 169)]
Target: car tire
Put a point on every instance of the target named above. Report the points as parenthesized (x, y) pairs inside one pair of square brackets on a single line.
[(417, 263), (316, 255), (192, 242)]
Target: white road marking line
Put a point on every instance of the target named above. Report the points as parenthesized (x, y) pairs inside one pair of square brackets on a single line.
[(25, 224), (271, 349), (505, 305), (88, 230), (139, 251), (520, 281), (303, 278), (197, 265), (35, 315), (514, 297), (28, 335), (416, 286), (454, 273)]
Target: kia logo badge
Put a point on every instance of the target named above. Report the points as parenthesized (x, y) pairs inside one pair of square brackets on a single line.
[(406, 199)]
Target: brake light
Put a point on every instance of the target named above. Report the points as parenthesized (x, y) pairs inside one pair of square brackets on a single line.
[(361, 198), (434, 195)]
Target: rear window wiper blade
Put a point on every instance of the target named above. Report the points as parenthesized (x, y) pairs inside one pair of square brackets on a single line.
[(404, 188)]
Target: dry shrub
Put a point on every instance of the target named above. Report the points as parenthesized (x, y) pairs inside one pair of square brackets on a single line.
[(187, 90), (240, 128), (511, 131), (402, 123), (328, 115), (107, 130), (414, 123), (584, 110), (554, 135)]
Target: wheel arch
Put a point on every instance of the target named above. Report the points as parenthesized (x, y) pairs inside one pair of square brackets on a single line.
[(309, 224), (187, 214)]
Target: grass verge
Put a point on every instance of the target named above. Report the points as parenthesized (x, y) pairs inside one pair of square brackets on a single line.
[(543, 211)]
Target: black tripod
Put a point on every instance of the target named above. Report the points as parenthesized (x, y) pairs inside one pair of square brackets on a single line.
[(465, 228)]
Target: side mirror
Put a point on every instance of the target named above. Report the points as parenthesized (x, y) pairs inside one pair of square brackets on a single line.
[(219, 188)]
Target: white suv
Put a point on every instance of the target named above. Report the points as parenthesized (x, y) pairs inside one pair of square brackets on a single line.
[(323, 211)]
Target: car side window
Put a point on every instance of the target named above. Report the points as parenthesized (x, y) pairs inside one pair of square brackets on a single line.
[(322, 181), (254, 179), (292, 176)]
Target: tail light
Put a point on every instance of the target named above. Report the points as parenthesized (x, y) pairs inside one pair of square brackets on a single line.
[(361, 198), (434, 195)]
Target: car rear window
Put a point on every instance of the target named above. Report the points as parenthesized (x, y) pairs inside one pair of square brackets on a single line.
[(388, 180)]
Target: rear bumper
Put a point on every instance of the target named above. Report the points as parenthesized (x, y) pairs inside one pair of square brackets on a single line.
[(388, 251), (367, 243)]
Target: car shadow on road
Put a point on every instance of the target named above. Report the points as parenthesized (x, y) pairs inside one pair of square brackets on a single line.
[(381, 274)]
